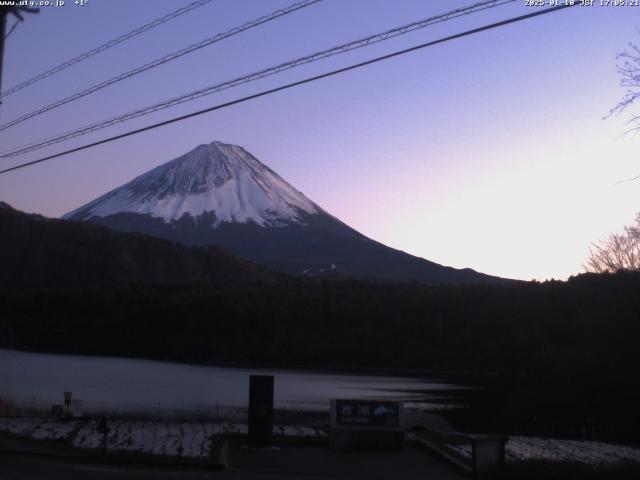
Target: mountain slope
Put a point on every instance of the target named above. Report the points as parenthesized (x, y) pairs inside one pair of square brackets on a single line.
[(220, 194), (41, 252)]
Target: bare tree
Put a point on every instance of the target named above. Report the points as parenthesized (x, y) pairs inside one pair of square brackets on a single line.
[(620, 252), (628, 64)]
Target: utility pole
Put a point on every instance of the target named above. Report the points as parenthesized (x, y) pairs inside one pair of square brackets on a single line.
[(4, 13), (3, 30)]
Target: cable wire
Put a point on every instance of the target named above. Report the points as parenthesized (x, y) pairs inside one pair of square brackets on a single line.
[(363, 42), (105, 46), (13, 27), (160, 61), (294, 84)]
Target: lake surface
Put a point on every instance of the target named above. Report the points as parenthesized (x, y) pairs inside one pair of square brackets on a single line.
[(36, 381)]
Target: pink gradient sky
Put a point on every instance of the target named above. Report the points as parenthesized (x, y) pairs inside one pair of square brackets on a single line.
[(487, 152)]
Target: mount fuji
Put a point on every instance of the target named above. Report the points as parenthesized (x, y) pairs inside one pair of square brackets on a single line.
[(220, 194)]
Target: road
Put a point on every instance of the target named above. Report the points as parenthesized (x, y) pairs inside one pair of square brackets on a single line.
[(29, 467), (20, 461)]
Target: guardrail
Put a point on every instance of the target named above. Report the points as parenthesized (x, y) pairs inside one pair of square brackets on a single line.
[(487, 452)]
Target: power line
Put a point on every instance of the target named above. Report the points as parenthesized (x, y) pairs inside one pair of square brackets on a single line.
[(13, 27), (160, 61), (363, 42), (295, 84), (105, 46)]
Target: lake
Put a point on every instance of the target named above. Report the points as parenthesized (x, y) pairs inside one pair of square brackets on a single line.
[(35, 381)]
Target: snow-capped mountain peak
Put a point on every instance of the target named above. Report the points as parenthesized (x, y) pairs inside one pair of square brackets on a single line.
[(219, 194), (217, 178)]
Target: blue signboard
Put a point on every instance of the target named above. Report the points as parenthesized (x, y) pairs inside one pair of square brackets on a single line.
[(366, 414)]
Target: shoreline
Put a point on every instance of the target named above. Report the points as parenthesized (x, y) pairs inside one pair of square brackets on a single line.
[(312, 368)]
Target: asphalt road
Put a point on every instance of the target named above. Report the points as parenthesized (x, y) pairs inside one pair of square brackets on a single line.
[(28, 467), (295, 463)]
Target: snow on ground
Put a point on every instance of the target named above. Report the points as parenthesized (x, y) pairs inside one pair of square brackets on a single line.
[(52, 430), (192, 439), (534, 448), (87, 436), (531, 448)]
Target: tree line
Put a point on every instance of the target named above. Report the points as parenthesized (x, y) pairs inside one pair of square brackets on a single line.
[(560, 357)]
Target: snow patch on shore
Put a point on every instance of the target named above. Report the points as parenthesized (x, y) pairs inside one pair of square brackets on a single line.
[(188, 439), (549, 449)]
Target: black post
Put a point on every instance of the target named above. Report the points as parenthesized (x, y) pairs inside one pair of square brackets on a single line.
[(260, 410)]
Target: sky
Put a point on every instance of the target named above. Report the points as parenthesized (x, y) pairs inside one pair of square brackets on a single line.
[(489, 151)]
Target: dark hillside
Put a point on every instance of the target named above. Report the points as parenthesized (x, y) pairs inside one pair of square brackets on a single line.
[(41, 252)]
